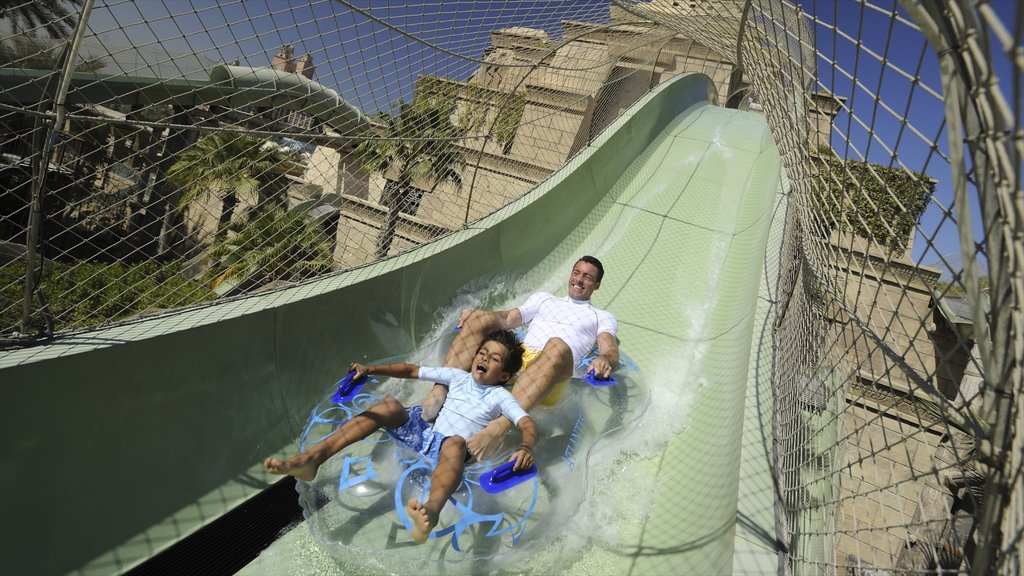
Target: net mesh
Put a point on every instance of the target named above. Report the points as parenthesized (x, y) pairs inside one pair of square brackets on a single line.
[(156, 156)]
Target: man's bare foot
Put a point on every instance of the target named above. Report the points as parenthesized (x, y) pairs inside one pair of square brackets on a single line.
[(422, 523), (303, 467)]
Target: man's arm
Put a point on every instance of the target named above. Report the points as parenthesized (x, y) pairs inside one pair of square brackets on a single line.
[(504, 319), (607, 355)]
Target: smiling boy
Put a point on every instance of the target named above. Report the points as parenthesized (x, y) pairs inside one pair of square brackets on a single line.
[(474, 399)]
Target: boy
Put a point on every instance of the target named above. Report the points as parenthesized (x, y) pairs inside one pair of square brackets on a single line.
[(560, 333), (474, 399)]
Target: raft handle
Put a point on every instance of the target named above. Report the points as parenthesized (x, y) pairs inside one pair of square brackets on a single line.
[(348, 388), (593, 380), (504, 477)]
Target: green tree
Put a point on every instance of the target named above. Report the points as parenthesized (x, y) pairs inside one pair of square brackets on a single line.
[(227, 165), (162, 221), (41, 54), (274, 245), (485, 109), (81, 293), (417, 145), (54, 16)]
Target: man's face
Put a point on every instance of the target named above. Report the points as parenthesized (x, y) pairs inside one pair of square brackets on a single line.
[(583, 281)]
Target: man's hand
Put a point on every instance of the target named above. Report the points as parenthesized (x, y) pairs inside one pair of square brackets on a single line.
[(485, 442), (607, 356), (433, 402), (601, 367)]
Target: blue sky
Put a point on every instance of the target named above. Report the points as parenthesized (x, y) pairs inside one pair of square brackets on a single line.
[(369, 64), (869, 131), (373, 66)]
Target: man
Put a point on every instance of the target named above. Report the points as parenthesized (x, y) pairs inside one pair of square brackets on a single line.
[(562, 331)]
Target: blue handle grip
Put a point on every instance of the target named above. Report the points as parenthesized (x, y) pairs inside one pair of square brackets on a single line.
[(505, 472), (348, 388), (504, 477), (593, 380)]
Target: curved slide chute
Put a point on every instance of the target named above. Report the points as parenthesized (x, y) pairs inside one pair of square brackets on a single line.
[(172, 415), (677, 198), (231, 86)]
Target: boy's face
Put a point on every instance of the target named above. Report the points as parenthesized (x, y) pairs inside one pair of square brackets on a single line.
[(488, 365)]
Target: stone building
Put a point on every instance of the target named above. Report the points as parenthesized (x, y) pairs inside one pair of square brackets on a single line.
[(565, 92), (285, 61), (900, 464)]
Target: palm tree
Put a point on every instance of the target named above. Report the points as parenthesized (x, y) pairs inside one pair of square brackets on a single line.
[(162, 220), (417, 145), (41, 54), (274, 245), (228, 164), (52, 15)]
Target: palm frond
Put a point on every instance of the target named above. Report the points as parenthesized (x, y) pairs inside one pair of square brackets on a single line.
[(276, 245)]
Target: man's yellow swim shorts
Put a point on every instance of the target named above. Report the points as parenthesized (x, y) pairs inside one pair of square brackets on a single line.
[(557, 390)]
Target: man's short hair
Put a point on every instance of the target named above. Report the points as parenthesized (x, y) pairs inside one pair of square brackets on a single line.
[(595, 263), (508, 339)]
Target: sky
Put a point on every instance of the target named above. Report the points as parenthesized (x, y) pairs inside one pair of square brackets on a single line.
[(911, 131), (370, 64), (892, 116)]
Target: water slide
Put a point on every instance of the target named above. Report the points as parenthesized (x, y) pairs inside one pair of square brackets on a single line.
[(677, 199), (681, 199)]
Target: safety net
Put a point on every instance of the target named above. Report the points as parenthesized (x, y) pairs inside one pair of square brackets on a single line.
[(160, 157)]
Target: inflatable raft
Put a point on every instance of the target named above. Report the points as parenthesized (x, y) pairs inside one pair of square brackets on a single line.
[(355, 507)]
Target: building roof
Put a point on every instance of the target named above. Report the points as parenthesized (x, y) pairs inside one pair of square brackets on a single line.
[(959, 313)]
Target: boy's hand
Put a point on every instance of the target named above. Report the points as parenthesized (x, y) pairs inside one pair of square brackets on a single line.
[(466, 312), (523, 458), (361, 370)]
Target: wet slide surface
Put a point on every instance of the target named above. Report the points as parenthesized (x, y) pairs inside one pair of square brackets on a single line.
[(678, 199)]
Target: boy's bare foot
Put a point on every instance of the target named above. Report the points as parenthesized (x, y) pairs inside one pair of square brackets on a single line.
[(302, 467), (422, 523)]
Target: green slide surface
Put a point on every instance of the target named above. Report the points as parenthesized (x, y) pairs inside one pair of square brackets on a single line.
[(677, 200), (159, 426)]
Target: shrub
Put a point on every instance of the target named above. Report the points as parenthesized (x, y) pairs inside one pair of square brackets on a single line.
[(80, 294), (870, 200)]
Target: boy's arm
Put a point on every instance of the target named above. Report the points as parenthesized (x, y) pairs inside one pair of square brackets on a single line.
[(392, 370), (523, 456)]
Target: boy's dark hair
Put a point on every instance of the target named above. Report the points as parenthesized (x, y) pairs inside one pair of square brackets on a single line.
[(508, 339), (595, 263)]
